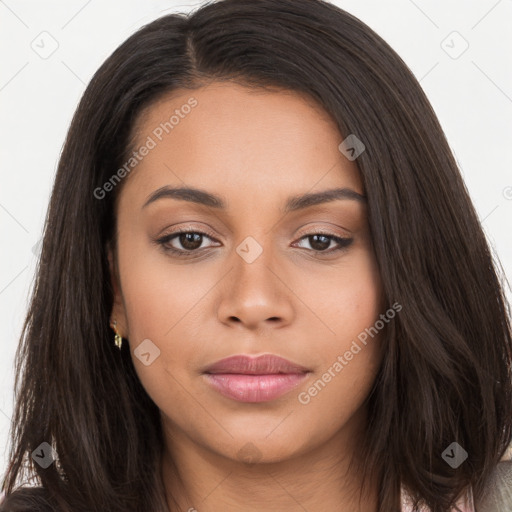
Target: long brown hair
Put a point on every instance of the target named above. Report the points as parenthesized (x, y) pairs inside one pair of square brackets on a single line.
[(446, 370)]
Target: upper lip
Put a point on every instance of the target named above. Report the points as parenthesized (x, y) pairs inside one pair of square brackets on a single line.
[(250, 365)]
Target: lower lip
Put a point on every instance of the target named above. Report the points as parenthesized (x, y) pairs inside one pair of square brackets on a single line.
[(254, 388)]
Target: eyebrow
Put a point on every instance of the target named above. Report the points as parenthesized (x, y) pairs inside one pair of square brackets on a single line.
[(294, 203)]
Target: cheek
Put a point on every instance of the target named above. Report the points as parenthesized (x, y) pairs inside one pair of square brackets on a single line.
[(350, 304), (159, 294), (346, 299), (335, 395), (161, 302)]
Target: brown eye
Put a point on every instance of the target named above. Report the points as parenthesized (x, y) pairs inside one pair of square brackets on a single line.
[(185, 243), (321, 242), (190, 241)]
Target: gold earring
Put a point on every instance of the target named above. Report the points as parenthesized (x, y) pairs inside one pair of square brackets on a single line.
[(118, 339)]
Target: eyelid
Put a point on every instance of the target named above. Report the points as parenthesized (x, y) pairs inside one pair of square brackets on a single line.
[(312, 230)]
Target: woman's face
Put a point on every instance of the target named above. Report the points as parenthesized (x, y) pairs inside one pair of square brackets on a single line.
[(250, 278)]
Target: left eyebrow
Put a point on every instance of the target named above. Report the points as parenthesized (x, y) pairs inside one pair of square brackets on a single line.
[(325, 196), (294, 203)]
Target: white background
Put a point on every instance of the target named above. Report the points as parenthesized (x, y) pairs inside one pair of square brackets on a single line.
[(471, 94)]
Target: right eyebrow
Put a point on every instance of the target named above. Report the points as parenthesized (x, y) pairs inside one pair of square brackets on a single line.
[(194, 195)]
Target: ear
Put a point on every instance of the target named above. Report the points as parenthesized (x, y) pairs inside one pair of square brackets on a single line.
[(118, 312)]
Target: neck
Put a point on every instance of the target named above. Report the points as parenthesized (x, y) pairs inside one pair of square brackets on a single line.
[(199, 480)]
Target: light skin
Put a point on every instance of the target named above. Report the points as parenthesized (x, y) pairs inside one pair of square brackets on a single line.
[(254, 150)]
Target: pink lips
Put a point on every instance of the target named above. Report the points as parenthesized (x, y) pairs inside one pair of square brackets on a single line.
[(254, 379)]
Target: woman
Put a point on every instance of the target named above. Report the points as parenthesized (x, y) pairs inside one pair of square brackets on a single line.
[(257, 205)]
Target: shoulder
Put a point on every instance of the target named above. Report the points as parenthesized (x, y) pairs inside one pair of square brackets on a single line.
[(26, 499), (498, 492), (465, 504)]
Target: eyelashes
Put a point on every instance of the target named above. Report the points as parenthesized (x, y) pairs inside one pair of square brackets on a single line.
[(191, 241)]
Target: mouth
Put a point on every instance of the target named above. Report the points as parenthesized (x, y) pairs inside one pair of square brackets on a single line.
[(254, 379)]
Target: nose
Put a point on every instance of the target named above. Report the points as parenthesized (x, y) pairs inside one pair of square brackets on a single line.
[(255, 295)]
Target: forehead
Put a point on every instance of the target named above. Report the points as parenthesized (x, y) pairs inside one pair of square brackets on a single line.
[(228, 136)]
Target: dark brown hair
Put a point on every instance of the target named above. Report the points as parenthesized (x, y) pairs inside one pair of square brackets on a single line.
[(446, 370)]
